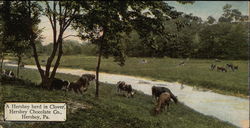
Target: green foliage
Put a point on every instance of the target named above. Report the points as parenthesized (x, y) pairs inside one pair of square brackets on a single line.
[(210, 20), (70, 47), (16, 22), (224, 40), (231, 15), (189, 37)]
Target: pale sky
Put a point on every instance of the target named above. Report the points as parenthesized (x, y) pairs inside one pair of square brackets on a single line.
[(201, 9)]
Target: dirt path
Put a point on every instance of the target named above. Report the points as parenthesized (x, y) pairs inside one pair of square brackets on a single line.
[(227, 108)]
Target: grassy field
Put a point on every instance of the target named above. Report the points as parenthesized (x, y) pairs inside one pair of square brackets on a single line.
[(109, 111), (195, 72)]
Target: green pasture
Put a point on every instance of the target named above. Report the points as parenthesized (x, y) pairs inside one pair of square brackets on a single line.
[(195, 72)]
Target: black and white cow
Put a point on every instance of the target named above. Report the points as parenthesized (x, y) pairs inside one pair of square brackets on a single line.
[(122, 86), (9, 73), (58, 84)]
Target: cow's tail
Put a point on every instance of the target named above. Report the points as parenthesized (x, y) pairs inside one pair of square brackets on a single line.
[(173, 97)]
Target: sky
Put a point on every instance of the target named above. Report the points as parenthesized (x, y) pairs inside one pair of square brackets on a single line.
[(204, 9), (201, 9)]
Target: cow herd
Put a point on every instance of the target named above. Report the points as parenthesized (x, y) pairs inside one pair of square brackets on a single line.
[(163, 95), (224, 69), (79, 86)]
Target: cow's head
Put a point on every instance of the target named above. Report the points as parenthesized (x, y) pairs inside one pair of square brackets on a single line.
[(66, 84), (132, 94)]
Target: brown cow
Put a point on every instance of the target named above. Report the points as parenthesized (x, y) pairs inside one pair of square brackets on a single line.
[(221, 69), (81, 84), (162, 101)]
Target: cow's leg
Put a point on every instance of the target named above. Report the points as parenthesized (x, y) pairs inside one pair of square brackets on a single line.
[(75, 90), (79, 89), (168, 106)]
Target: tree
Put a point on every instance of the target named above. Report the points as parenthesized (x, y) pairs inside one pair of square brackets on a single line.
[(225, 39), (60, 15), (5, 10), (232, 15), (15, 39), (211, 20)]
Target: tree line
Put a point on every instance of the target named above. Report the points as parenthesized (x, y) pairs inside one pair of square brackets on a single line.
[(225, 38)]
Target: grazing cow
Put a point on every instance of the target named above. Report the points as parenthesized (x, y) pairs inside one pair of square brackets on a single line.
[(182, 63), (81, 84), (90, 77), (122, 86), (59, 84), (217, 60), (9, 73), (230, 66), (221, 69), (235, 67), (144, 61), (162, 101), (157, 91), (213, 66)]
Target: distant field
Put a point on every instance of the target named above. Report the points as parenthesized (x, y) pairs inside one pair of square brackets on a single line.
[(195, 72), (109, 111)]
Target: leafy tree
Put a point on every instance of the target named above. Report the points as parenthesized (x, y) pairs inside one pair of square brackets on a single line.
[(15, 39), (224, 40), (5, 10), (211, 20), (60, 15), (232, 15)]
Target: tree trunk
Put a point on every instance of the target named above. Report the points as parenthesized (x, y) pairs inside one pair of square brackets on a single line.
[(18, 65), (33, 45), (49, 78), (1, 69), (35, 55), (55, 42), (60, 53), (97, 72)]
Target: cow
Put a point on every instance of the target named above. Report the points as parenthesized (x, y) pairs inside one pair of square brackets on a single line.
[(221, 69), (217, 60), (163, 100), (236, 67), (182, 63), (90, 77), (157, 91), (122, 86), (230, 66), (58, 84), (213, 66), (81, 85), (9, 73)]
